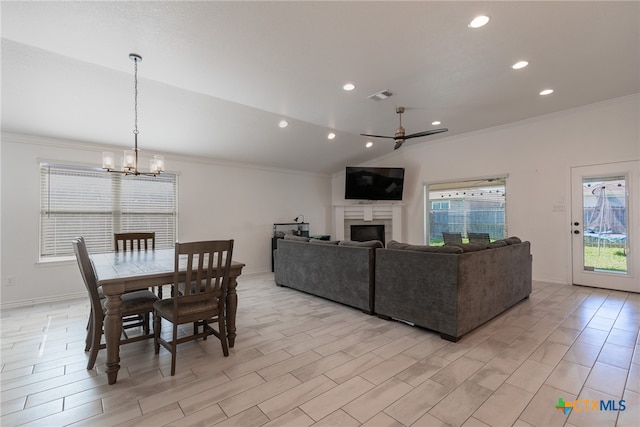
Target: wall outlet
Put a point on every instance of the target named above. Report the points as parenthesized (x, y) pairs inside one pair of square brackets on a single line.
[(11, 280)]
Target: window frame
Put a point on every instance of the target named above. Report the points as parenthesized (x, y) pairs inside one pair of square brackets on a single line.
[(452, 185), (116, 210)]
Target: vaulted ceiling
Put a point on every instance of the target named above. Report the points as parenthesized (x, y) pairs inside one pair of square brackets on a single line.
[(217, 77)]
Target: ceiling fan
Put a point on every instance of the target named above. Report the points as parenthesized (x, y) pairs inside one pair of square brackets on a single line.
[(400, 137)]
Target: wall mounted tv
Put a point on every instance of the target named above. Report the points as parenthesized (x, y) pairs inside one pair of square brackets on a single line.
[(364, 183)]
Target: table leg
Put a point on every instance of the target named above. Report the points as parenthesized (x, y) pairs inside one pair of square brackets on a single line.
[(232, 307), (112, 331)]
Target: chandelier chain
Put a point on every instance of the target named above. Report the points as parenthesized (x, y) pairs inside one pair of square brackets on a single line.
[(135, 96)]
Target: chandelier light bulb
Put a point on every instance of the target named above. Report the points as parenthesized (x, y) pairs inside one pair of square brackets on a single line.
[(108, 160)]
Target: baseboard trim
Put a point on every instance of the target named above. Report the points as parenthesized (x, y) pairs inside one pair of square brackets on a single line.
[(44, 300)]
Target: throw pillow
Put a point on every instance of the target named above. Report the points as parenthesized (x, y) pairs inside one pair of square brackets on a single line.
[(368, 244)]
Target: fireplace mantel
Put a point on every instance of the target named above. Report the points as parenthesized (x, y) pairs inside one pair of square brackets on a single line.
[(389, 214)]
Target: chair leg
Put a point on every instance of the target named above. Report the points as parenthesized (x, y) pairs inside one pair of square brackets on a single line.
[(222, 329), (146, 323), (160, 291), (89, 339), (174, 348), (156, 332), (95, 345)]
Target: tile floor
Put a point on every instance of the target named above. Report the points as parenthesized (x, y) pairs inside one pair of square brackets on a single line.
[(300, 360)]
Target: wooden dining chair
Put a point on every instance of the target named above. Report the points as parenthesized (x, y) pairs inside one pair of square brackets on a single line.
[(136, 241), (133, 303), (452, 237), (479, 238), (199, 295)]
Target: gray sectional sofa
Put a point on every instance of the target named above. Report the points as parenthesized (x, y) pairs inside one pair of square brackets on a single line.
[(339, 271), (450, 289), (451, 293)]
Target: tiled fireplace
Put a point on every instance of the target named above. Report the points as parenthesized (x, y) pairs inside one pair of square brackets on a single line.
[(389, 215)]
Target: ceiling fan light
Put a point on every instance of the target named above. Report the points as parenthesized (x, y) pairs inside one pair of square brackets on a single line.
[(479, 21), (519, 65)]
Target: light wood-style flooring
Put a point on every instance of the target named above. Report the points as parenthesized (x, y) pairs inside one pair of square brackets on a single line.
[(300, 360)]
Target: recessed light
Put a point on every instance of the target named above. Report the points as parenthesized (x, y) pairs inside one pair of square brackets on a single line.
[(283, 123), (369, 144), (519, 65), (349, 86), (479, 21), (331, 135), (546, 92), (436, 123)]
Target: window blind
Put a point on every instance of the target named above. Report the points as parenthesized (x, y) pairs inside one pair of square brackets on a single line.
[(80, 201), (464, 207)]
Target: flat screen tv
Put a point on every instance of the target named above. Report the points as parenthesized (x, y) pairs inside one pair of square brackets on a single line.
[(363, 183)]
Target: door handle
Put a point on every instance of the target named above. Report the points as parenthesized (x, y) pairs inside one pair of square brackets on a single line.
[(576, 223), (576, 231)]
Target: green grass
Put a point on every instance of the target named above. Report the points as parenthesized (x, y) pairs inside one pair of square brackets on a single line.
[(606, 258)]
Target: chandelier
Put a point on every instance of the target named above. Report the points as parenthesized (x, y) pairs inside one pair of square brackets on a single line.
[(130, 165)]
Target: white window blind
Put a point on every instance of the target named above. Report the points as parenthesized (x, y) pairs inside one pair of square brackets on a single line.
[(464, 207), (80, 201)]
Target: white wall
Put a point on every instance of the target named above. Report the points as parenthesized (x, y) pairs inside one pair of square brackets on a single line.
[(216, 200), (537, 155)]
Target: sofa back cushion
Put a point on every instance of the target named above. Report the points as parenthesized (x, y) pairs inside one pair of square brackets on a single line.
[(294, 237), (424, 248), (469, 247), (368, 244), (323, 242)]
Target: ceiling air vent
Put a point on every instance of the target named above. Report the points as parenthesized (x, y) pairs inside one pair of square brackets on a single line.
[(381, 96)]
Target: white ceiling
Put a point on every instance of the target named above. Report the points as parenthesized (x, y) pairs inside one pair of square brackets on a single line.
[(217, 77)]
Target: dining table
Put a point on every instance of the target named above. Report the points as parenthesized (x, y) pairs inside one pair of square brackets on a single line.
[(120, 272)]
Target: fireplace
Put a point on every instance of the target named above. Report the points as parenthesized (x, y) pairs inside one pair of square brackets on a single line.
[(344, 216), (362, 233)]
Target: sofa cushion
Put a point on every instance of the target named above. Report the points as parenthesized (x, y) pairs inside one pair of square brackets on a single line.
[(512, 240), (469, 247), (323, 242), (294, 237), (497, 244), (368, 244), (396, 245), (437, 249)]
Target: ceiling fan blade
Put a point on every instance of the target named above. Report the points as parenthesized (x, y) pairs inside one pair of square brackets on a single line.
[(425, 133), (377, 136)]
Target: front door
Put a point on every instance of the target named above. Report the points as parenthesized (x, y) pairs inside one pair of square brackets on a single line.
[(605, 225)]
